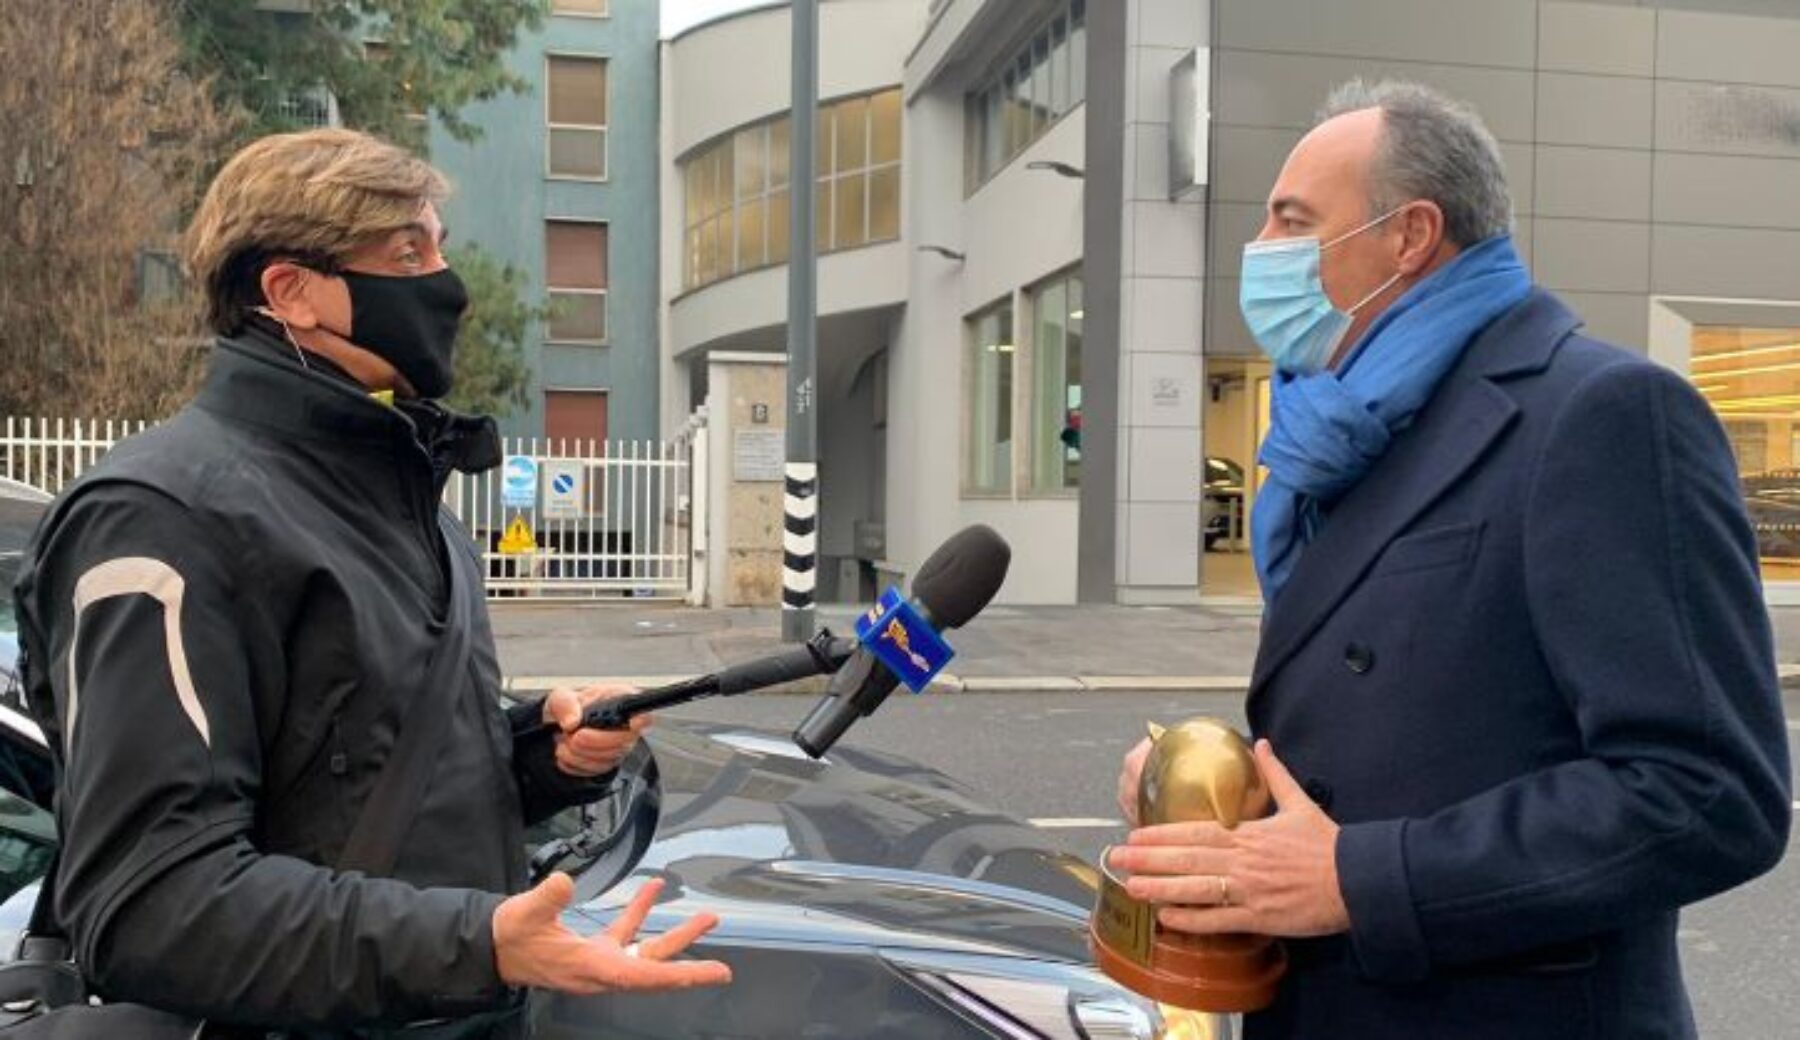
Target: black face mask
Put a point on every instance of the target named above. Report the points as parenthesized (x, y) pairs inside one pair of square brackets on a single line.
[(411, 322)]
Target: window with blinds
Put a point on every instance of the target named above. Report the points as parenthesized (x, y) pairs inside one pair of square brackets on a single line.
[(577, 107), (575, 266)]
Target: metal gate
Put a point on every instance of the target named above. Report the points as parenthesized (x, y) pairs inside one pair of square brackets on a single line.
[(629, 532), (623, 526)]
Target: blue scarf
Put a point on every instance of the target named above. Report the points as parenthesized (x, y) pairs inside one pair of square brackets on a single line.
[(1330, 428)]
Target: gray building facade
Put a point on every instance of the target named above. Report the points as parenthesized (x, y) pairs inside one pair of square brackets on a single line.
[(1051, 342), (563, 185)]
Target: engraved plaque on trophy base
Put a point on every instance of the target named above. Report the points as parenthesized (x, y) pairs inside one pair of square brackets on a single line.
[(1220, 973)]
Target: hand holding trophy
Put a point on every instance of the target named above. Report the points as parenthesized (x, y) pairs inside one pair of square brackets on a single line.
[(1198, 770)]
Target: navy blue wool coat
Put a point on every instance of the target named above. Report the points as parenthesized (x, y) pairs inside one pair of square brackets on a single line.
[(1527, 666)]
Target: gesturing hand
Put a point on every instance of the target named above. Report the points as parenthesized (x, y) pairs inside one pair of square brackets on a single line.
[(532, 947), (1274, 876), (589, 752)]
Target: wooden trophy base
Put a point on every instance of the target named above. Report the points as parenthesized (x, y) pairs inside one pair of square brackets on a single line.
[(1222, 973)]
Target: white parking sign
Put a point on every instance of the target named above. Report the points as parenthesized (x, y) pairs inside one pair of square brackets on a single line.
[(565, 488), (519, 481)]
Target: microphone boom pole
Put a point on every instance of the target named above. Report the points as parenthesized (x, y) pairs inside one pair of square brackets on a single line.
[(824, 654)]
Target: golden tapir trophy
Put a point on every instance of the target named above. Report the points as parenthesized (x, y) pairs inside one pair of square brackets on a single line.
[(1200, 769)]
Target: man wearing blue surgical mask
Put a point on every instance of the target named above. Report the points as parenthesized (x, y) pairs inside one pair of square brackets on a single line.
[(1514, 656)]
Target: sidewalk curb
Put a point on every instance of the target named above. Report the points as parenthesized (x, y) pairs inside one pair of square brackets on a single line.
[(946, 683)]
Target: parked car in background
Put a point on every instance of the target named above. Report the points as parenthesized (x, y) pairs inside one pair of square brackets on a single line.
[(864, 895), (1773, 502), (20, 507), (27, 832), (1222, 502)]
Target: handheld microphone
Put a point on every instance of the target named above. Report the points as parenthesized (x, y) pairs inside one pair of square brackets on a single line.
[(952, 586)]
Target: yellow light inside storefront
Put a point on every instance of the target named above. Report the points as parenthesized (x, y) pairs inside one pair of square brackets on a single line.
[(1756, 371), (1727, 355), (1767, 401)]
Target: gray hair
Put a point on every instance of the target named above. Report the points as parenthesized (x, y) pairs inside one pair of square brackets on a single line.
[(1432, 147)]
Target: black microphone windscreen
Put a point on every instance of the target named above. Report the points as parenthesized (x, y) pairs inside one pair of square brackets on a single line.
[(958, 580)]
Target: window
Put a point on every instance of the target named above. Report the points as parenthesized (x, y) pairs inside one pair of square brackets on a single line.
[(582, 8), (990, 370), (575, 271), (310, 108), (575, 415), (737, 207), (863, 175), (1056, 384), (1050, 406), (1751, 377), (1038, 84), (577, 117), (710, 188)]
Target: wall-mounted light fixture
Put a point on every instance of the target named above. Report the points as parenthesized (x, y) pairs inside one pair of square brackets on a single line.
[(945, 252), (1061, 169)]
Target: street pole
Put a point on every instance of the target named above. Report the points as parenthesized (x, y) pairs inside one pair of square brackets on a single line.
[(800, 539)]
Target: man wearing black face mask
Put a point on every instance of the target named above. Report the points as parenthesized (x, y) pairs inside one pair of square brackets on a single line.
[(233, 625)]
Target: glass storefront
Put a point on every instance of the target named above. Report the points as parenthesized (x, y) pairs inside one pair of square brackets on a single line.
[(1751, 377), (1749, 374), (1236, 418)]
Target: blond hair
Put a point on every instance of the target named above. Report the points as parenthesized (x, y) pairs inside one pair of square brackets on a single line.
[(313, 198)]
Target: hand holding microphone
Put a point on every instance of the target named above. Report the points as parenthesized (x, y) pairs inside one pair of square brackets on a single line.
[(590, 751)]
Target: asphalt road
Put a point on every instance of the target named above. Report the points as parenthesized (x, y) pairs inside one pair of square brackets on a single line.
[(1053, 758)]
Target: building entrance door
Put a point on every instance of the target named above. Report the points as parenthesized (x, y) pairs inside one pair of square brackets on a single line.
[(1235, 419)]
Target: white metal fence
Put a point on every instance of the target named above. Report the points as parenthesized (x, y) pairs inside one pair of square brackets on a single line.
[(628, 531), (625, 529), (49, 453)]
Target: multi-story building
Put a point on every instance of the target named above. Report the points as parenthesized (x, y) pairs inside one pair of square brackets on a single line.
[(563, 185), (1031, 214)]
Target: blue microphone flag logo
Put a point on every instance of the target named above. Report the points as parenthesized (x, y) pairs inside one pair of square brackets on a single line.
[(911, 649)]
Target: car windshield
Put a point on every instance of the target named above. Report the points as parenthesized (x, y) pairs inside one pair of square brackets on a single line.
[(9, 572), (18, 516), (27, 840)]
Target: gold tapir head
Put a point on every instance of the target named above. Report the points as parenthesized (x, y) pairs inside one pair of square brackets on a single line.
[(1200, 770)]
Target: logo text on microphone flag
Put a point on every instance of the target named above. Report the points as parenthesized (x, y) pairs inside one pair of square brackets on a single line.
[(912, 649)]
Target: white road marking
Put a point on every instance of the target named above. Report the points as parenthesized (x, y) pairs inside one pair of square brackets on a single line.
[(1073, 822)]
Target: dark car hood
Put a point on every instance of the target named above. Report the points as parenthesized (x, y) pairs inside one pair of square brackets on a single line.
[(865, 849), (861, 850)]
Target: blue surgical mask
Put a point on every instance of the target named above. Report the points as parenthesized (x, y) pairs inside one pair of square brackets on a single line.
[(1285, 305)]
